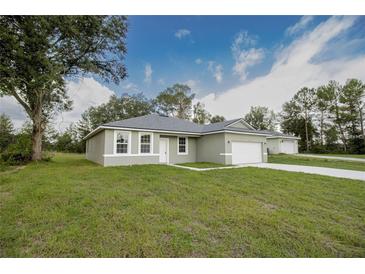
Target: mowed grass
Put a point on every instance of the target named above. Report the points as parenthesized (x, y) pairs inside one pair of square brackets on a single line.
[(361, 156), (311, 161), (202, 164), (70, 207)]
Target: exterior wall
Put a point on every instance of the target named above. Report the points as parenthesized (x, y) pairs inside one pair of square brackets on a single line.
[(232, 137), (296, 146), (210, 148), (134, 158), (274, 145), (174, 157), (95, 148), (103, 150)]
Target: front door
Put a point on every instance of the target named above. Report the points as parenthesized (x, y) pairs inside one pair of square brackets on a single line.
[(164, 150)]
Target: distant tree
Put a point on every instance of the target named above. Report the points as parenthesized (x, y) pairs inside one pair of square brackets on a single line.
[(200, 115), (217, 119), (6, 131), (117, 108), (175, 101), (37, 53), (261, 118), (69, 141), (352, 98), (323, 99), (292, 122), (305, 100), (331, 136), (336, 110)]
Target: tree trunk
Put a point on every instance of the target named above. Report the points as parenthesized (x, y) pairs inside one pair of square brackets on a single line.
[(306, 132), (321, 129), (338, 123), (362, 125), (37, 135)]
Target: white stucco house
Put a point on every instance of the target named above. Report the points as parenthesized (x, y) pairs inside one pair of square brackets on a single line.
[(155, 139)]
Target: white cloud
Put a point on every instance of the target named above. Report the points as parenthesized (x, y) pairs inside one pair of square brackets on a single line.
[(292, 69), (131, 88), (161, 81), (182, 33), (216, 70), (12, 108), (244, 56), (148, 73), (193, 84), (300, 25), (84, 93), (198, 61)]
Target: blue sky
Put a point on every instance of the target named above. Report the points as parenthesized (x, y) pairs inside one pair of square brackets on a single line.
[(230, 62), (154, 40)]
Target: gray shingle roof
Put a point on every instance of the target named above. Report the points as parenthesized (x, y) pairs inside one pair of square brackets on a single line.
[(158, 122)]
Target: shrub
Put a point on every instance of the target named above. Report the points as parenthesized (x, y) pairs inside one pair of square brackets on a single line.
[(19, 152), (47, 156)]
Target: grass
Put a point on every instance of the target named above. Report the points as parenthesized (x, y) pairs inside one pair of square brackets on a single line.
[(311, 161), (361, 156), (70, 207), (202, 164), (6, 168)]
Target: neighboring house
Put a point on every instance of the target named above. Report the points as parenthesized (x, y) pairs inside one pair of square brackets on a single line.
[(281, 143), (154, 139)]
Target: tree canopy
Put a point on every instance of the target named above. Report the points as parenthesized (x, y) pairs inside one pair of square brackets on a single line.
[(117, 108), (261, 118), (175, 101), (37, 54)]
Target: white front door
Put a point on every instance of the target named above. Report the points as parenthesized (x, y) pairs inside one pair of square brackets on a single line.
[(246, 153), (164, 143)]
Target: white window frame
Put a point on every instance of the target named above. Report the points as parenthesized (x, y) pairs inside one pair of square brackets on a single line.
[(186, 145), (139, 142), (115, 142)]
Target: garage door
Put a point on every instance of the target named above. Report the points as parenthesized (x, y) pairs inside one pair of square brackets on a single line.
[(287, 146), (246, 152)]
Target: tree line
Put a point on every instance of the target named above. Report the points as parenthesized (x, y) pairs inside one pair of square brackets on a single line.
[(175, 101), (327, 118)]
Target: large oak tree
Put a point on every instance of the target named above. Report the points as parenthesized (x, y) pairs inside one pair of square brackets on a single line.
[(39, 53)]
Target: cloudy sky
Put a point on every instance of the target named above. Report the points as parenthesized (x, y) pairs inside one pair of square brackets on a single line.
[(230, 62)]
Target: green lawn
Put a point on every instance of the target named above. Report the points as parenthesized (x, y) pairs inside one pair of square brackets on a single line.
[(361, 156), (311, 161), (6, 168), (70, 207), (202, 164)]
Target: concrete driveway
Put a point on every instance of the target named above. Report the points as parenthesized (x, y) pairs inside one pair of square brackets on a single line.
[(333, 172), (332, 157)]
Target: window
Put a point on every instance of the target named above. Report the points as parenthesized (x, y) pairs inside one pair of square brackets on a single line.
[(182, 145), (145, 143), (122, 141)]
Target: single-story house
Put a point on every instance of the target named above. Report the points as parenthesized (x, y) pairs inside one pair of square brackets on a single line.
[(154, 139), (282, 143)]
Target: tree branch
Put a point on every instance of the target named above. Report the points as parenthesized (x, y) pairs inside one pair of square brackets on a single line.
[(22, 102)]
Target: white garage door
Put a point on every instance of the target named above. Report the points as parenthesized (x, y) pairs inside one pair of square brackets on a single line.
[(245, 152), (287, 146)]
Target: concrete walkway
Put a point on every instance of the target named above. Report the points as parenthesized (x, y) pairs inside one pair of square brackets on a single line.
[(332, 157), (333, 172)]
